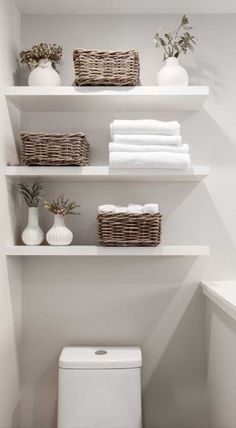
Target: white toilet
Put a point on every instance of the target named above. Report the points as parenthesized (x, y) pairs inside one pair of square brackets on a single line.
[(100, 387)]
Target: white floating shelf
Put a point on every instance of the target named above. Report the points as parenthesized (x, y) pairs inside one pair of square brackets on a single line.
[(142, 98), (104, 173), (223, 294), (104, 7), (92, 250)]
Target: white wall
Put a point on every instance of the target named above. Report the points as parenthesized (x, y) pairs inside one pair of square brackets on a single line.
[(10, 286), (148, 302), (221, 373)]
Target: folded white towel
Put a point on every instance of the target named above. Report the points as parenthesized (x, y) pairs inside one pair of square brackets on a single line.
[(150, 209), (102, 209), (114, 147), (172, 140), (149, 160), (145, 126), (134, 209)]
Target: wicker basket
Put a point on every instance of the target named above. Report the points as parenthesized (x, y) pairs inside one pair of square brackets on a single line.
[(54, 149), (106, 68), (129, 230)]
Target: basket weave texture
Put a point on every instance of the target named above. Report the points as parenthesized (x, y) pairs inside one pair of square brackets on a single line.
[(129, 230), (106, 68), (54, 149)]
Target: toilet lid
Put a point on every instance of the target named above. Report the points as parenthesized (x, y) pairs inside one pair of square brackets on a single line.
[(106, 357)]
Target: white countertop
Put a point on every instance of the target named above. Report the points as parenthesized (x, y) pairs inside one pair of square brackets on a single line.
[(223, 294)]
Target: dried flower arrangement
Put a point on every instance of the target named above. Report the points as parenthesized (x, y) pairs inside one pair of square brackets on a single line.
[(176, 42), (31, 57), (32, 195), (61, 206)]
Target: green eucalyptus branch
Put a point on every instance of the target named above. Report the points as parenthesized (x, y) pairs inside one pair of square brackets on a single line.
[(176, 42)]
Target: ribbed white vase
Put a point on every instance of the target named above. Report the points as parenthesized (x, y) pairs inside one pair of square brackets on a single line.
[(59, 234), (172, 74), (44, 75), (33, 234)]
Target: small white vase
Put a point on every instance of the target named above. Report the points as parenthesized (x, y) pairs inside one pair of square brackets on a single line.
[(33, 234), (44, 75), (59, 234), (172, 74)]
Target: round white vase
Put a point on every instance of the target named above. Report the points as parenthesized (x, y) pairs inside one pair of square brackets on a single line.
[(172, 74), (59, 234), (33, 234), (44, 75)]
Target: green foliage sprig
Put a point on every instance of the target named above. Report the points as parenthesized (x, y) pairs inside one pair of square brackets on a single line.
[(32, 56), (176, 42), (61, 206), (32, 195)]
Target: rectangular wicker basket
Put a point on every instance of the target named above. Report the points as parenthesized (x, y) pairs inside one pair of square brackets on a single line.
[(106, 68), (129, 230), (54, 149)]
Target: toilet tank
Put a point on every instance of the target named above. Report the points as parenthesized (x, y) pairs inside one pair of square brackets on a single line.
[(99, 387)]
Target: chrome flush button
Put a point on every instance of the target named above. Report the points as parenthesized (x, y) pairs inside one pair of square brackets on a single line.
[(101, 352)]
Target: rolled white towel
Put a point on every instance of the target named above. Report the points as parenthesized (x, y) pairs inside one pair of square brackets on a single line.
[(135, 209), (149, 160), (121, 210), (172, 140), (115, 147), (102, 209), (144, 126), (150, 209)]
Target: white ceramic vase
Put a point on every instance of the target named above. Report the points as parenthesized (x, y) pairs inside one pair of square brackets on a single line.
[(59, 234), (33, 234), (172, 74), (44, 75)]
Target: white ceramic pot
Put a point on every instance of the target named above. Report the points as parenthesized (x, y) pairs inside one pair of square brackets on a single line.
[(59, 234), (33, 234), (172, 74), (44, 75)]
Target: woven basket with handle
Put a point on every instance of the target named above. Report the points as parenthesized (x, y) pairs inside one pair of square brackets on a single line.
[(54, 149), (129, 230), (106, 68)]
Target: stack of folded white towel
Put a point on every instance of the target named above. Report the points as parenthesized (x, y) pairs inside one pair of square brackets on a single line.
[(147, 144), (130, 209)]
